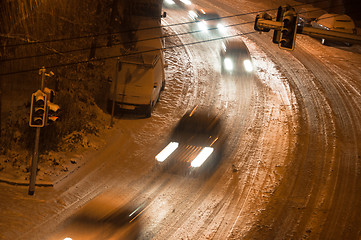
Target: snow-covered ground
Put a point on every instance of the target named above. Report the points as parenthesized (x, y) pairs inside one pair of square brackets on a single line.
[(270, 118)]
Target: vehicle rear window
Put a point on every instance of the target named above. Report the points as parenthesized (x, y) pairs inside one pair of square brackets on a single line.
[(209, 16)]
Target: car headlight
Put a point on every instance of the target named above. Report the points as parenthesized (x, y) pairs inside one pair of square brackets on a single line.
[(186, 2), (202, 157), (221, 27), (192, 14), (248, 66), (202, 25), (170, 2), (171, 147), (228, 64)]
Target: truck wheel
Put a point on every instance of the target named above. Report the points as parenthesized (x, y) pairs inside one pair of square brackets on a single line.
[(109, 106), (148, 111), (163, 85)]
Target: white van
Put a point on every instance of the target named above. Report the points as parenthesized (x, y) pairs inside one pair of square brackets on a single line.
[(141, 77), (139, 82), (335, 22)]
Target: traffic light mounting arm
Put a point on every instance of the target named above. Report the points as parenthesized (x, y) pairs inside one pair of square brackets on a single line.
[(262, 23), (329, 34), (288, 32)]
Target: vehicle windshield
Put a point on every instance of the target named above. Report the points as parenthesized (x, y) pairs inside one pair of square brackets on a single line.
[(237, 52), (197, 125), (209, 16), (118, 217)]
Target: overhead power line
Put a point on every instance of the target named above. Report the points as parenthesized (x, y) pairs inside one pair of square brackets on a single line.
[(141, 40), (148, 28), (134, 53), (122, 43), (127, 54)]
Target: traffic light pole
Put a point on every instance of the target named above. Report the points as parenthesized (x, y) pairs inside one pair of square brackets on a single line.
[(115, 92), (34, 163)]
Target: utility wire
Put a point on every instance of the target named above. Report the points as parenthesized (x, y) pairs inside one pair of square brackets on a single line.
[(122, 43), (135, 53), (150, 28), (132, 42), (127, 54)]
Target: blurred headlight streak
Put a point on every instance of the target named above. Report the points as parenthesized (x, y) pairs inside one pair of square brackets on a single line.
[(192, 14), (202, 25), (228, 64), (202, 157), (248, 65), (170, 2), (186, 2), (167, 151), (221, 27), (68, 238)]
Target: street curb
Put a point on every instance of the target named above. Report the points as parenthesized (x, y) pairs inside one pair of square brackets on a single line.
[(24, 183)]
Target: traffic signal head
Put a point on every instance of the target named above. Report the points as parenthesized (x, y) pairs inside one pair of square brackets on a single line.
[(38, 109), (49, 93), (52, 112), (289, 30), (277, 33)]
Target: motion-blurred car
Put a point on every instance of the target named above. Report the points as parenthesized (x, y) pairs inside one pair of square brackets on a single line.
[(335, 22), (177, 3), (235, 57), (105, 217), (196, 144), (206, 21)]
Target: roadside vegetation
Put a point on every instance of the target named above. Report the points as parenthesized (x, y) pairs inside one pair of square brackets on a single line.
[(47, 29)]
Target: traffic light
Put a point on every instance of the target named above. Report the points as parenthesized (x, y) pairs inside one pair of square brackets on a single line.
[(289, 30), (277, 33), (52, 110), (38, 109)]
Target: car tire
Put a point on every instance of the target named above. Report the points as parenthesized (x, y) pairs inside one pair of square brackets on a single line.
[(110, 106), (148, 110), (163, 85)]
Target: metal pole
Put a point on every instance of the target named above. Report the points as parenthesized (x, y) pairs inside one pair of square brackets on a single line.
[(115, 91), (34, 163)]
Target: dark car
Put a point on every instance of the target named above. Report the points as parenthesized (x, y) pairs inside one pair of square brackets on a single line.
[(206, 21), (196, 144), (107, 216), (235, 57)]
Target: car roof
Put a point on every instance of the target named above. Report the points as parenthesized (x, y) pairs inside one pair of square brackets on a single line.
[(208, 12), (234, 43), (199, 119)]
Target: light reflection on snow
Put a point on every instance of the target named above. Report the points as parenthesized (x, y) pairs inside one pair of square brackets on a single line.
[(268, 73)]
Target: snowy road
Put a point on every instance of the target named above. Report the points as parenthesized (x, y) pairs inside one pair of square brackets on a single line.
[(294, 131)]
